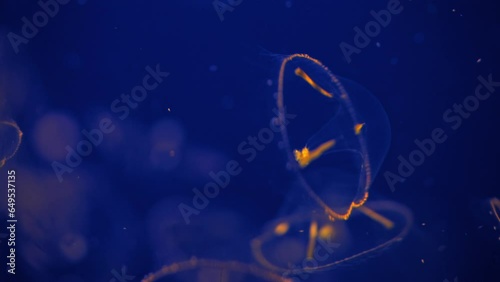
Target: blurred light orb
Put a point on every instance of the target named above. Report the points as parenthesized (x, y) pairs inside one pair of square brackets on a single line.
[(167, 138), (53, 133), (213, 68), (73, 246), (201, 161)]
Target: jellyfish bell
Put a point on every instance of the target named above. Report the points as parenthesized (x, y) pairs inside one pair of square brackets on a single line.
[(338, 139), (202, 270), (306, 243)]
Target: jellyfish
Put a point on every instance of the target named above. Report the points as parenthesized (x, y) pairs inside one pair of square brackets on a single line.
[(10, 140), (213, 270), (334, 148), (338, 140)]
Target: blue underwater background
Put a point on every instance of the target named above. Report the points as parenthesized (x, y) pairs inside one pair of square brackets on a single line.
[(117, 210)]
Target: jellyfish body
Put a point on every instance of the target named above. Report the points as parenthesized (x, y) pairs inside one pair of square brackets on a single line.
[(339, 139), (334, 148)]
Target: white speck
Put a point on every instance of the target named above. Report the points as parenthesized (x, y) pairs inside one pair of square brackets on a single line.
[(423, 223), (168, 109), (478, 60), (269, 82), (422, 260)]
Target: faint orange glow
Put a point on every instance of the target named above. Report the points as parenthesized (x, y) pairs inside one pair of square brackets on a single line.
[(495, 207), (358, 127), (326, 232), (281, 228)]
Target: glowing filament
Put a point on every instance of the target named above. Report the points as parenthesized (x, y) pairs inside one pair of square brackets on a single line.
[(495, 206), (387, 223), (301, 73), (358, 127), (313, 234), (305, 157)]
